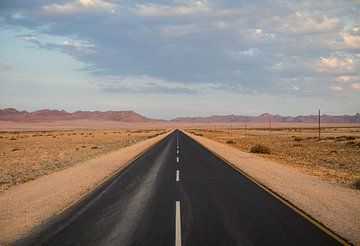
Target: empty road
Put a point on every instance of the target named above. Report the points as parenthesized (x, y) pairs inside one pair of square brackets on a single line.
[(179, 193)]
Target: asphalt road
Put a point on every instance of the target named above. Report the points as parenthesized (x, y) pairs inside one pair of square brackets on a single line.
[(178, 194)]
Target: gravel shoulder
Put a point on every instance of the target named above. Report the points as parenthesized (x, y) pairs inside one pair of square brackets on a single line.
[(24, 206), (335, 206)]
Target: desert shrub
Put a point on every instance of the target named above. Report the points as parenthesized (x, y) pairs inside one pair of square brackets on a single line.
[(12, 138), (328, 138), (15, 149), (297, 145), (356, 184), (298, 139), (230, 142), (350, 138), (94, 147), (261, 149)]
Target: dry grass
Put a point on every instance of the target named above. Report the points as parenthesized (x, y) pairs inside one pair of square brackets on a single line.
[(27, 155), (335, 158)]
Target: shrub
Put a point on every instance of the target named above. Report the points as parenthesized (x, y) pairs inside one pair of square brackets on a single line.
[(356, 184), (230, 142), (94, 147), (12, 138), (261, 149), (350, 138), (298, 139)]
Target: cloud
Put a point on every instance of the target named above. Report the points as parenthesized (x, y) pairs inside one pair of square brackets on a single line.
[(336, 88), (31, 39), (70, 47), (143, 84), (343, 78), (234, 46), (352, 41), (159, 10), (343, 64), (355, 86), (78, 7)]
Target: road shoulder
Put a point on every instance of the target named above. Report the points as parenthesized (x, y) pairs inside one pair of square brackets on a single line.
[(25, 206), (334, 206)]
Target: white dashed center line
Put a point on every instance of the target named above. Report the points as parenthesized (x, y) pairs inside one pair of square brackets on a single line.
[(177, 159), (177, 175), (178, 225)]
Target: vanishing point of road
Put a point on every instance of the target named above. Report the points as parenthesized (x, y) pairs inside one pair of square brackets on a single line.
[(179, 193)]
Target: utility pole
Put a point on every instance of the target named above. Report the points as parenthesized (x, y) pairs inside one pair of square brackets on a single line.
[(245, 129), (270, 127), (319, 125)]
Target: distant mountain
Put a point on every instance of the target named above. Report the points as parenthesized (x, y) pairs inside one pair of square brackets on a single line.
[(274, 118), (11, 114)]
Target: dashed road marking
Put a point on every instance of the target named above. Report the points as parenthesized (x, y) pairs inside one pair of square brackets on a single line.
[(177, 176), (177, 159), (177, 225)]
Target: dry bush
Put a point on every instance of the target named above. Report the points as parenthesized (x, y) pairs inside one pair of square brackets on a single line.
[(357, 184), (298, 139), (261, 149), (230, 142), (94, 147)]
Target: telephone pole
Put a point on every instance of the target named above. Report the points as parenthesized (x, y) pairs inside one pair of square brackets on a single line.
[(319, 125), (245, 129), (270, 127)]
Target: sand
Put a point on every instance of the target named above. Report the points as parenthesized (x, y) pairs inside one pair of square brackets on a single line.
[(26, 205), (335, 158), (27, 155), (335, 206)]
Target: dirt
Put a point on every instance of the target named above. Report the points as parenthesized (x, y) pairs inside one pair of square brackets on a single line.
[(24, 206), (334, 158), (27, 155), (335, 206)]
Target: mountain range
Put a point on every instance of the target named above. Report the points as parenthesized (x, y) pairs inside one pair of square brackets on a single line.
[(45, 115)]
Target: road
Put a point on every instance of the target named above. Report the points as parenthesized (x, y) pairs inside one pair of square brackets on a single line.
[(179, 193)]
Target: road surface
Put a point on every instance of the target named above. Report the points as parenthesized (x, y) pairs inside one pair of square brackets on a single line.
[(179, 193)]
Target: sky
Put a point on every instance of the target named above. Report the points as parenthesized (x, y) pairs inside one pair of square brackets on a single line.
[(175, 58)]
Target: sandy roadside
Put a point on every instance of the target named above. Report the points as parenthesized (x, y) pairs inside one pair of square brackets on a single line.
[(26, 205), (335, 206)]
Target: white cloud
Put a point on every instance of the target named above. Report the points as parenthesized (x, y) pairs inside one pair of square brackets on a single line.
[(336, 88), (250, 52), (331, 62), (78, 6), (355, 86), (304, 22), (166, 10), (351, 41), (344, 78)]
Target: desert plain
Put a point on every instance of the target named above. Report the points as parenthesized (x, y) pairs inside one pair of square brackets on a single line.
[(334, 157), (26, 155)]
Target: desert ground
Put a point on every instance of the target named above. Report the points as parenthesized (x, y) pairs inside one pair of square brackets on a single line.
[(335, 157), (27, 155)]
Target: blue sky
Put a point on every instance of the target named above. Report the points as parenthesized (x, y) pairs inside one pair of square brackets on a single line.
[(181, 58)]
